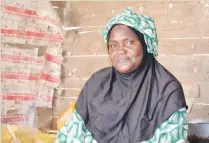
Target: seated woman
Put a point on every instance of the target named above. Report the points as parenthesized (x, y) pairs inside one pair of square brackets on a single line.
[(135, 100)]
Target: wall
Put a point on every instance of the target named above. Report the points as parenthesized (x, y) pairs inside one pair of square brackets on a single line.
[(183, 33)]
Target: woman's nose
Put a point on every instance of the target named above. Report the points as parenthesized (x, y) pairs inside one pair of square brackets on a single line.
[(121, 49)]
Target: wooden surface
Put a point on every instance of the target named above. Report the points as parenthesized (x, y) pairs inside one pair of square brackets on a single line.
[(183, 33)]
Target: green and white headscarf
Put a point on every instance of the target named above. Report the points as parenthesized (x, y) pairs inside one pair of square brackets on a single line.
[(141, 23)]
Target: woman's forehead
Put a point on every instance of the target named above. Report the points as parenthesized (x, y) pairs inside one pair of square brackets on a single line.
[(120, 32)]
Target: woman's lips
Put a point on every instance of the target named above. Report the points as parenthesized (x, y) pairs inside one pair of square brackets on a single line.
[(123, 61)]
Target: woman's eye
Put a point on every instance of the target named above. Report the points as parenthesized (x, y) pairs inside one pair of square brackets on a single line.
[(129, 42), (113, 46)]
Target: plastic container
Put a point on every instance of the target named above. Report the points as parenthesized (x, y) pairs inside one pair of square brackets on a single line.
[(31, 117)]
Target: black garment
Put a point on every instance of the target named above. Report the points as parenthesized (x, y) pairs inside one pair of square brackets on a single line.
[(126, 108)]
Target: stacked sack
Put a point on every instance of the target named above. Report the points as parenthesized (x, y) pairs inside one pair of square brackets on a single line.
[(31, 58), (19, 74), (49, 76)]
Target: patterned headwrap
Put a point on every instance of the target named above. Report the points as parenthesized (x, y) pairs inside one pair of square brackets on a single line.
[(141, 23)]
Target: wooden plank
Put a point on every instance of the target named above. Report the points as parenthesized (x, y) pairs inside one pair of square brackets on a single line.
[(187, 68), (164, 29), (159, 10), (100, 7), (68, 93), (183, 46), (63, 100), (44, 117), (73, 83), (204, 93), (189, 102), (177, 10), (188, 12), (59, 4), (183, 29), (84, 44), (200, 113), (60, 12), (91, 43), (69, 96), (191, 90), (61, 104), (83, 67)]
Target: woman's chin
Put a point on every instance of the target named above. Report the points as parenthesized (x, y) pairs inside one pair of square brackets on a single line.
[(123, 68)]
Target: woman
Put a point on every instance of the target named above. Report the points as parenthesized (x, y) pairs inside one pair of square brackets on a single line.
[(136, 100)]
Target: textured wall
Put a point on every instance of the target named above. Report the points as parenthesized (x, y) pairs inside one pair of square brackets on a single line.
[(183, 31)]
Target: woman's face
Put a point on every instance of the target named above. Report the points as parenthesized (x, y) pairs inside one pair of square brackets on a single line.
[(124, 48)]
